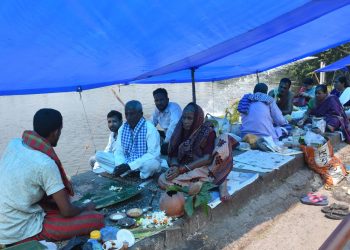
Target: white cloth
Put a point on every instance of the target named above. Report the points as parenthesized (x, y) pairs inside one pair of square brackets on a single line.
[(112, 143), (26, 175), (167, 119), (347, 112), (149, 163), (345, 96), (110, 148), (104, 160)]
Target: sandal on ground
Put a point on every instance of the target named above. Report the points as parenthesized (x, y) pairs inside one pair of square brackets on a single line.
[(334, 216), (340, 212), (339, 206), (314, 199)]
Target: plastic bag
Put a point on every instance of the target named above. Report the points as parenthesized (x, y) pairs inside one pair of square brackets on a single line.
[(221, 125), (314, 139), (319, 123), (323, 161)]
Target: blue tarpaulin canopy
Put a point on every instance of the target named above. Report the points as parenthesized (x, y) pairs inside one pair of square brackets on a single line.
[(341, 64), (57, 46)]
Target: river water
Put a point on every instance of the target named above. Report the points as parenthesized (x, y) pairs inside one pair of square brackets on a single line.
[(80, 136)]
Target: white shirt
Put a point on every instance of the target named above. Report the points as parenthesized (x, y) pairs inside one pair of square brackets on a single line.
[(112, 143), (153, 148), (26, 175), (345, 96), (167, 119)]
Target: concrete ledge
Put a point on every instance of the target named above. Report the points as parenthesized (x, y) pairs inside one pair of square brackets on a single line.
[(185, 227)]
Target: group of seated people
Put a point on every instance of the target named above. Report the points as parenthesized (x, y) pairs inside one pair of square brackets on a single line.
[(265, 114), (35, 202)]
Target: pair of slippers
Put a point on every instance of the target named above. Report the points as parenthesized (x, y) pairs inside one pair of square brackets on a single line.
[(314, 199), (336, 211)]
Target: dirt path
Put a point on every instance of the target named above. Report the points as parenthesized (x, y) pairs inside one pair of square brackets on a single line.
[(300, 227)]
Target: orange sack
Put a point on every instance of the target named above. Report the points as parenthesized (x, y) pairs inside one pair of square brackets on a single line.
[(322, 161)]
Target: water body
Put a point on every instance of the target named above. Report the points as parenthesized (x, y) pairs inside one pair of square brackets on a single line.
[(80, 137)]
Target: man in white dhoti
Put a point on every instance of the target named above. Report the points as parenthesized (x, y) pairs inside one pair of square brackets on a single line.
[(104, 160), (138, 144)]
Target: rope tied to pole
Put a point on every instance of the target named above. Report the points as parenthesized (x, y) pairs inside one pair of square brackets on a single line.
[(80, 90)]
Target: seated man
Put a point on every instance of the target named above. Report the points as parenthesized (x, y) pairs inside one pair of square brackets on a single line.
[(138, 144), (260, 114), (283, 97), (35, 202), (167, 114), (104, 160)]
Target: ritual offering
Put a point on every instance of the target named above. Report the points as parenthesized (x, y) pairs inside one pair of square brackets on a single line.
[(117, 216), (126, 222), (110, 193), (126, 237), (156, 220), (134, 212), (172, 203), (112, 245)]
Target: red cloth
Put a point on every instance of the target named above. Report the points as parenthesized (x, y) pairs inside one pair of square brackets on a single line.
[(58, 228), (35, 141)]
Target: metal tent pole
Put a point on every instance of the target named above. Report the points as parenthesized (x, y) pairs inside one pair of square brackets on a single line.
[(257, 76), (193, 85)]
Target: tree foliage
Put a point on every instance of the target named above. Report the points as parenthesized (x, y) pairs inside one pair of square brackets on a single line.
[(300, 70)]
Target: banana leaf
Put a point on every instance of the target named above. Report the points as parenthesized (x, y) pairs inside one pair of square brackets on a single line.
[(103, 197), (141, 233), (32, 245)]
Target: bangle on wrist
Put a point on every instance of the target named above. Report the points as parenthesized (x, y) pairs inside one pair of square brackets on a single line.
[(187, 167)]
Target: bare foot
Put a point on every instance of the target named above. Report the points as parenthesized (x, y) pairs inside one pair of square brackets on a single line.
[(224, 195)]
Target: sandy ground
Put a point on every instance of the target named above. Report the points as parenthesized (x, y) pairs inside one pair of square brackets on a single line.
[(300, 227), (275, 219)]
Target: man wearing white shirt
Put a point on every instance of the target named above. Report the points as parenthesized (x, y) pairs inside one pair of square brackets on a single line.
[(138, 144), (167, 115), (104, 160)]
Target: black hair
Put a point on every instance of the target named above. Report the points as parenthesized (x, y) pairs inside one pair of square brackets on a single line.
[(115, 113), (286, 80), (191, 107), (342, 79), (134, 104), (322, 87), (160, 91), (261, 88), (46, 121), (308, 81)]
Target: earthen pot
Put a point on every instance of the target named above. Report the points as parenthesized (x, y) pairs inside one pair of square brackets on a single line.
[(172, 203)]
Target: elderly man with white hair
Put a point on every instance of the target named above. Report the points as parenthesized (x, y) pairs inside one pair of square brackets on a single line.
[(138, 144)]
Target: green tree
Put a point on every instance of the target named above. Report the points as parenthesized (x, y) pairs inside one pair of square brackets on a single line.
[(298, 71)]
